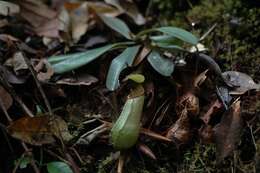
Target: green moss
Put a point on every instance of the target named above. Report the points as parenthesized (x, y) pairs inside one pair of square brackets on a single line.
[(234, 42)]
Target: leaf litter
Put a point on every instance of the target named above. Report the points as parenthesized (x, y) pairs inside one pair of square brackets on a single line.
[(195, 101)]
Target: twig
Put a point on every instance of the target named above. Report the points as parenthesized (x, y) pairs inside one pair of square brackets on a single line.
[(77, 154), (57, 156), (208, 32), (9, 119), (72, 163), (17, 164), (121, 161), (46, 101)]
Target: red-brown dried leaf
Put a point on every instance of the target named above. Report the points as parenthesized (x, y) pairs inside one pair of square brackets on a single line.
[(227, 133)]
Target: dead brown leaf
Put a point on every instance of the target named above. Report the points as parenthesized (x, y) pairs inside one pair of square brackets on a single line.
[(227, 132), (44, 20), (102, 8), (44, 70), (8, 8), (79, 17), (141, 56), (6, 98), (190, 102), (214, 108), (17, 62), (36, 13), (200, 79), (81, 79), (180, 129), (39, 130), (206, 134), (130, 8), (12, 78)]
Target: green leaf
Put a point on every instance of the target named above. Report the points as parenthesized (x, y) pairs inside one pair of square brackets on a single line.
[(169, 46), (163, 38), (117, 25), (138, 78), (162, 65), (65, 63), (167, 42), (24, 162), (180, 34), (118, 64), (58, 167)]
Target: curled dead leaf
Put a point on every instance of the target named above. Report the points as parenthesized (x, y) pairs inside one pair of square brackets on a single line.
[(44, 70), (227, 133), (17, 62)]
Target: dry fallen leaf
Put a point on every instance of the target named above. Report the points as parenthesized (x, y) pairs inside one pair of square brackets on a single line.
[(206, 134), (102, 8), (79, 17), (36, 13), (5, 98), (190, 102), (180, 129), (213, 109), (141, 56), (44, 70), (17, 62), (44, 20), (130, 8), (82, 79), (227, 132), (12, 78), (198, 80), (8, 8), (39, 130)]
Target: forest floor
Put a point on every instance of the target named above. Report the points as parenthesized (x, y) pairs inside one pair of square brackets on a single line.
[(88, 86)]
